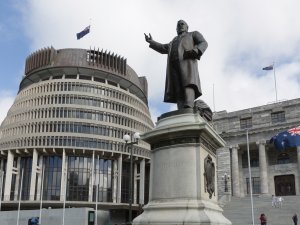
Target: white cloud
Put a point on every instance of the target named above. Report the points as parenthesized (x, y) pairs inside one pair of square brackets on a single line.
[(6, 102), (243, 37)]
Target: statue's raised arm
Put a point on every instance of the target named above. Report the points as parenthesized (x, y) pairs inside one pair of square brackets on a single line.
[(182, 77), (148, 38)]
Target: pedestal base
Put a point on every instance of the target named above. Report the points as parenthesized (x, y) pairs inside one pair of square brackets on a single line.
[(187, 212)]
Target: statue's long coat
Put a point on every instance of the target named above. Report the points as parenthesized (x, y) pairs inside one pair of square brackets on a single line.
[(188, 68)]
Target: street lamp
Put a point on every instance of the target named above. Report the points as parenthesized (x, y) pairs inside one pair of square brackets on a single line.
[(130, 144), (226, 178)]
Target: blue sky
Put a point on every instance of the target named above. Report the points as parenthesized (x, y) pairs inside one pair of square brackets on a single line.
[(14, 45), (243, 37)]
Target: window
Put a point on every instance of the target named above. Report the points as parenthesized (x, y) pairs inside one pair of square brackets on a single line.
[(112, 83), (71, 76), (255, 185), (283, 158), (99, 80), (83, 77), (254, 162), (278, 117), (246, 123), (57, 77)]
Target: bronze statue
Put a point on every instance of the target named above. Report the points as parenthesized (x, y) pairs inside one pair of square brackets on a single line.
[(209, 175), (182, 77)]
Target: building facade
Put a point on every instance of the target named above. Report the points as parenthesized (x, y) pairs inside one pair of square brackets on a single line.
[(63, 135), (273, 172)]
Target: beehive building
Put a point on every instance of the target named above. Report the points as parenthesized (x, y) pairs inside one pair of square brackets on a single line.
[(63, 133)]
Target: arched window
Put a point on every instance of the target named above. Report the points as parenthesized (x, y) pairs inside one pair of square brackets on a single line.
[(283, 158)]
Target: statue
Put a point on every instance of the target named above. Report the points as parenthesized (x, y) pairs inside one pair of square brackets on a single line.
[(209, 175), (182, 77)]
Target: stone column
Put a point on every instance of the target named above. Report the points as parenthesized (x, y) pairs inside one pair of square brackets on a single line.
[(33, 175), (135, 179), (263, 168), (119, 179), (142, 182), (8, 177), (115, 181), (92, 178), (18, 172), (40, 176), (235, 171), (242, 191)]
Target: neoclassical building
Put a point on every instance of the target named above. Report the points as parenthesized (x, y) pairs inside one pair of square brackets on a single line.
[(273, 172), (70, 115)]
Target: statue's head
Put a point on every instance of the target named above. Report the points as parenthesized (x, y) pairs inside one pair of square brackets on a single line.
[(181, 27)]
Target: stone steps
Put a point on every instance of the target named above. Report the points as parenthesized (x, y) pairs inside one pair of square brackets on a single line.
[(238, 210)]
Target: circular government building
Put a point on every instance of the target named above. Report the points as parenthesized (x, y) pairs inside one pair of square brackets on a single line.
[(62, 140)]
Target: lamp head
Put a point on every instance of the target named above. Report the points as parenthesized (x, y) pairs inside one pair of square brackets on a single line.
[(126, 138), (136, 136)]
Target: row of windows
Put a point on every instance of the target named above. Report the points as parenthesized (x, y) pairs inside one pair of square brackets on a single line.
[(65, 127), (282, 158), (78, 179), (72, 113), (84, 100), (80, 87), (245, 123), (79, 174), (82, 142), (277, 117)]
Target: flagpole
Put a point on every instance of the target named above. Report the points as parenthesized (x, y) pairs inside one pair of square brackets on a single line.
[(250, 177), (41, 195), (275, 81), (96, 207), (2, 175), (64, 206), (214, 97), (20, 197), (92, 178)]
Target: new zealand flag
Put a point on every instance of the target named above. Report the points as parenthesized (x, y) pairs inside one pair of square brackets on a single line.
[(286, 139), (268, 67), (83, 33)]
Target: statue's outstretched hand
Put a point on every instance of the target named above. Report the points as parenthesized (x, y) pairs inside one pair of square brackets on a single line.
[(148, 38)]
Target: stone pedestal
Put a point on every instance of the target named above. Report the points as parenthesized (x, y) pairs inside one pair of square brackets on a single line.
[(183, 161)]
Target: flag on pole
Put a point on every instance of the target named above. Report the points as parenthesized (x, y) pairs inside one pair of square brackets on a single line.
[(286, 139), (81, 34), (268, 67)]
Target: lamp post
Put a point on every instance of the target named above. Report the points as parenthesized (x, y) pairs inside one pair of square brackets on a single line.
[(130, 144), (226, 178)]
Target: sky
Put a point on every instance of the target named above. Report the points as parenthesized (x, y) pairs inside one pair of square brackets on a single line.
[(243, 37)]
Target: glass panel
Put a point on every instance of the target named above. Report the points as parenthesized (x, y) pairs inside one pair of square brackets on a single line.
[(26, 166), (278, 117), (52, 177)]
